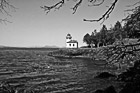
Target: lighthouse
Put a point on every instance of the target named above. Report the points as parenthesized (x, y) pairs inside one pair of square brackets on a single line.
[(71, 43)]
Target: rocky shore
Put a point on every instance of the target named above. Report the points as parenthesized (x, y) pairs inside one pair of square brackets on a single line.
[(127, 80), (123, 55), (130, 80)]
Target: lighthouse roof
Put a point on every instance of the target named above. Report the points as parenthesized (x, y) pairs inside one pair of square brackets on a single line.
[(68, 34), (72, 41)]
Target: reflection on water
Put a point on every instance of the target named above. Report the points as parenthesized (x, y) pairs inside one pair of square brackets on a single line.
[(30, 70)]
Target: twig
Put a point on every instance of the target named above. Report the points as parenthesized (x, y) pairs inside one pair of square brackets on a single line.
[(94, 2), (4, 6), (76, 6), (58, 5)]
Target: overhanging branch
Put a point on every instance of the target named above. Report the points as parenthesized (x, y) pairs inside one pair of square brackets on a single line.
[(95, 2), (76, 6), (5, 6), (58, 5), (106, 14)]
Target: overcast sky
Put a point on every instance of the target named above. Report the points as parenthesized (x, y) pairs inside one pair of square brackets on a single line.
[(31, 27)]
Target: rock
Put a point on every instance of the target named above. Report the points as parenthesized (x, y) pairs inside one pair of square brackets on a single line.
[(131, 78), (132, 74), (109, 89), (131, 88), (105, 75)]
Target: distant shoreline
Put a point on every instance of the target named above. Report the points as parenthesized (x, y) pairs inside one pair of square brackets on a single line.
[(27, 48)]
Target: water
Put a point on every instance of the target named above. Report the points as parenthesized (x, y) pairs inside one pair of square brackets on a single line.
[(33, 70)]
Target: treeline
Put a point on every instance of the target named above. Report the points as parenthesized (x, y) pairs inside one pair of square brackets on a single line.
[(104, 37)]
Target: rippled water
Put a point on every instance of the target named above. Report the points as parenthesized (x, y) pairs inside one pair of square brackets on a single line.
[(33, 70)]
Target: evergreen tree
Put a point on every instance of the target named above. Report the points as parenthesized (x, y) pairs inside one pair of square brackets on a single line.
[(132, 25), (103, 33), (94, 38), (118, 31), (87, 39)]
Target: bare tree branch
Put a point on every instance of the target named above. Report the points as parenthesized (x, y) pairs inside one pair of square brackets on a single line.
[(134, 4), (59, 4), (4, 21), (106, 14), (95, 2), (5, 6), (76, 6)]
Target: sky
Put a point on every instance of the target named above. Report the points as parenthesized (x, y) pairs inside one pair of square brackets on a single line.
[(31, 27)]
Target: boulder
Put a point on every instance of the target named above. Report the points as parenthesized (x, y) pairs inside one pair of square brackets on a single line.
[(109, 89), (132, 74), (131, 77), (105, 75)]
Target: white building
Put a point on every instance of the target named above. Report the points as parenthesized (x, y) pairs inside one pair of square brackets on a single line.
[(71, 43)]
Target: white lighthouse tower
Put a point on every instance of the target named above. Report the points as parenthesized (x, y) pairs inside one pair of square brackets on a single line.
[(68, 38)]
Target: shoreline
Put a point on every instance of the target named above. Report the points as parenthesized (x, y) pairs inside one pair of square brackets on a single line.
[(90, 53), (118, 55)]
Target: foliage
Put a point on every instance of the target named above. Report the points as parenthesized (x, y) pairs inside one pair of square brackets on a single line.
[(117, 31), (105, 36), (113, 35), (110, 37), (132, 25), (87, 39), (94, 38)]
